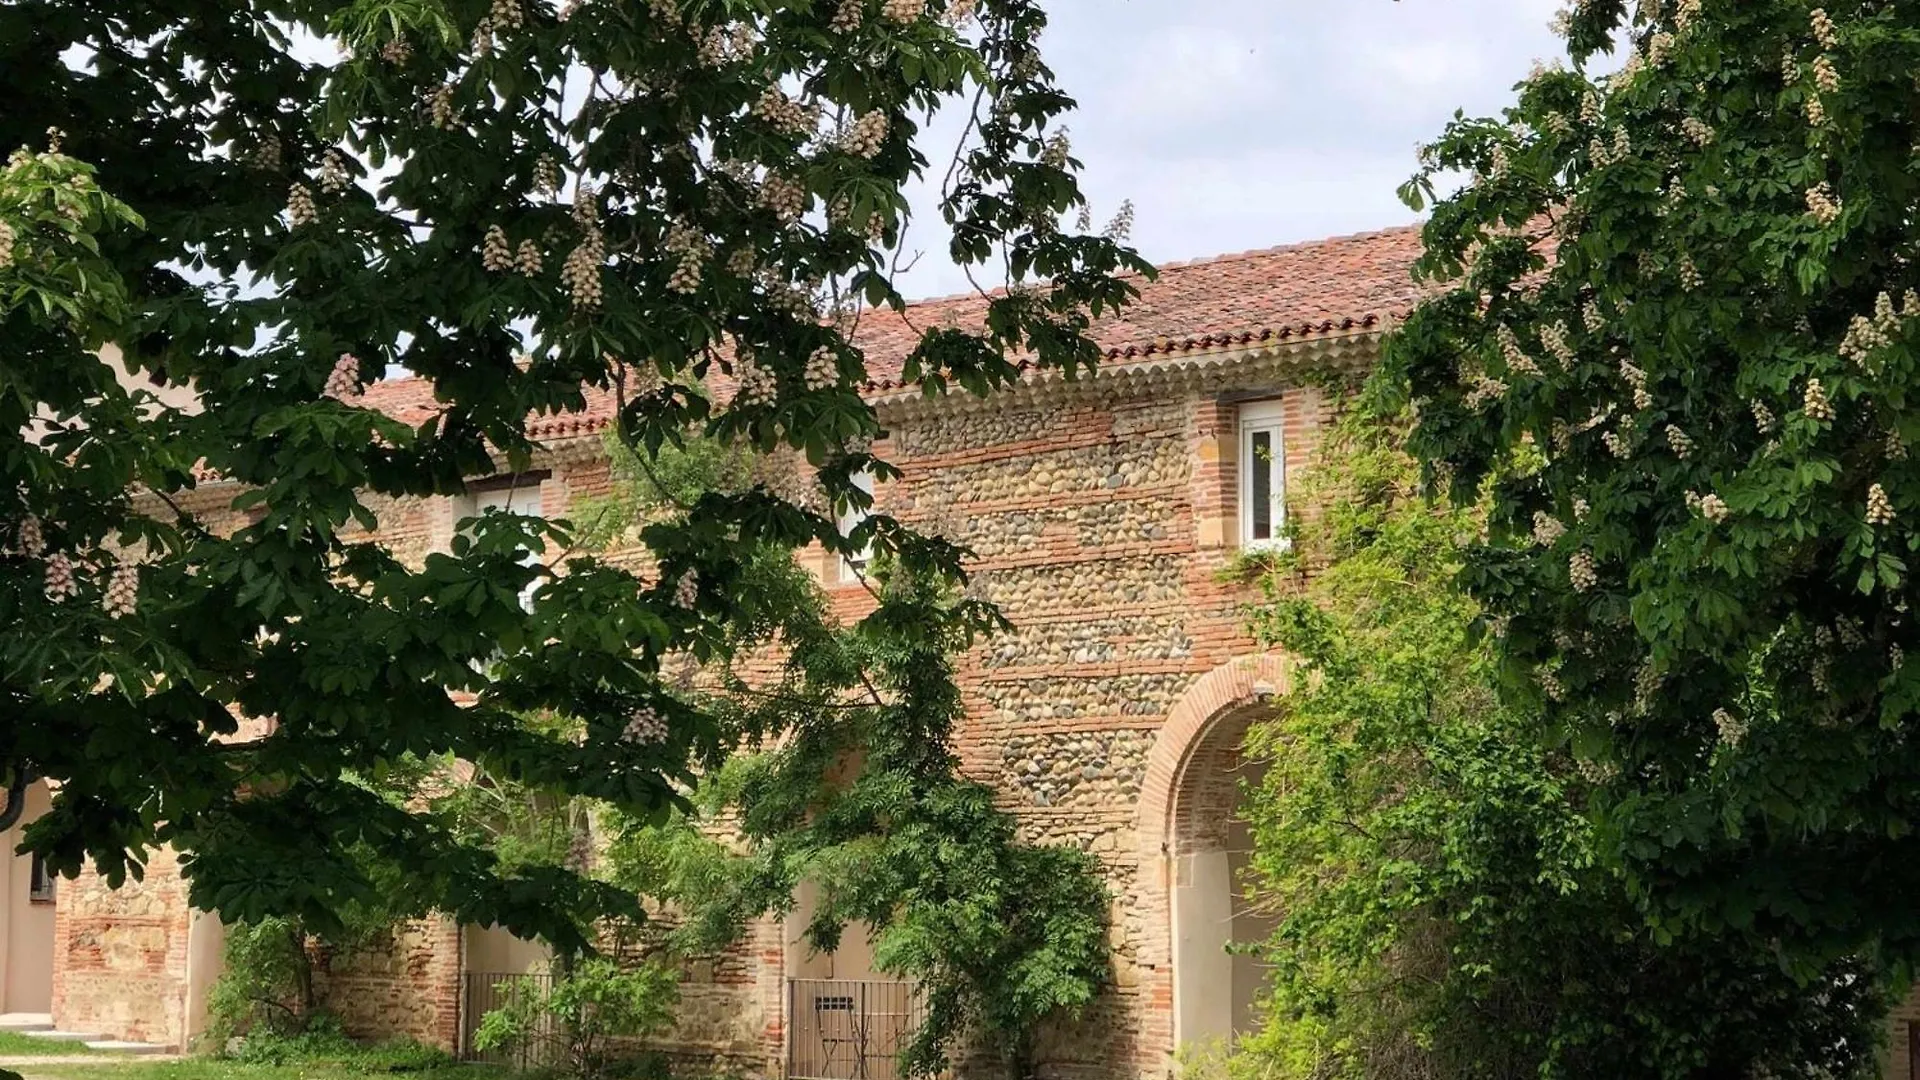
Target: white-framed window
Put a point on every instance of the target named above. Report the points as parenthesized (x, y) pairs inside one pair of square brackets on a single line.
[(1263, 476), (851, 566), (520, 497)]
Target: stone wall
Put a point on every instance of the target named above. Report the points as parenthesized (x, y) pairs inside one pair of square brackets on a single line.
[(1101, 528), (120, 955), (1903, 1037), (1101, 525), (405, 985)]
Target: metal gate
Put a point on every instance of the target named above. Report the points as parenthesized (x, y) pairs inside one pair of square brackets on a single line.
[(481, 992), (841, 1029)]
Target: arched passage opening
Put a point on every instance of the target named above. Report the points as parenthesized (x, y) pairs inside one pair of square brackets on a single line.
[(1216, 981), (1191, 824)]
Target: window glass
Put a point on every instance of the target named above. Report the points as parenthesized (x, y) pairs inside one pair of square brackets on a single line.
[(850, 520), (1261, 504), (40, 882), (1263, 474)]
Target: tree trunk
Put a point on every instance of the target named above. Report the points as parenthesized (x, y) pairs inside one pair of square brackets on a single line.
[(302, 972)]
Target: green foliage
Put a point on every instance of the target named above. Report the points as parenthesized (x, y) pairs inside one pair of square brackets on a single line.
[(578, 1019), (303, 204), (320, 1042), (1705, 581), (863, 800), (265, 986), (1445, 909)]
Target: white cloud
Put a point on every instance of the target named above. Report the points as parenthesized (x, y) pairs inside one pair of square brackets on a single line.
[(1236, 124)]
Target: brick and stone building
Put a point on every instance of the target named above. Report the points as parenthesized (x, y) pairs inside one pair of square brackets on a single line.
[(1105, 515)]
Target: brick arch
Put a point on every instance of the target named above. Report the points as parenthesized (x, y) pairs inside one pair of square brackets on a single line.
[(1226, 697), (1232, 686)]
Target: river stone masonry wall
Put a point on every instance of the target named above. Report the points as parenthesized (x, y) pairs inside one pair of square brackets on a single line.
[(1100, 527)]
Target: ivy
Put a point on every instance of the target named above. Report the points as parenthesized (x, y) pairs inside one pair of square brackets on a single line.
[(1445, 905)]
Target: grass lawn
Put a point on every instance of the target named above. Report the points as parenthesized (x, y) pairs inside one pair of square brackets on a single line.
[(118, 1068), (14, 1044)]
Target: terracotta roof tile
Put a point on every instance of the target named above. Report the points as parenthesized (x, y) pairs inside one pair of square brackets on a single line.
[(1328, 286)]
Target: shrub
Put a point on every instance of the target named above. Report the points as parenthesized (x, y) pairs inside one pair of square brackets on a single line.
[(578, 1022)]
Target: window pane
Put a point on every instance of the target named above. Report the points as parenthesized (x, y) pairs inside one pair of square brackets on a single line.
[(1262, 498), (852, 519)]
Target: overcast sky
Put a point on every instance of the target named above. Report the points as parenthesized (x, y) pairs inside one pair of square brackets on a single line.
[(1238, 124)]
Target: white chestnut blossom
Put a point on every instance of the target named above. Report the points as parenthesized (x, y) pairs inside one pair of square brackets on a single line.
[(1059, 146), (686, 591), (1709, 506), (581, 272), (822, 371), (1825, 76), (333, 173), (1816, 405), (756, 384), (59, 583), (1516, 358), (1689, 274), (440, 106), (496, 254), (693, 249), (526, 259), (1550, 684), (1484, 388), (848, 16), (1816, 111), (300, 206), (786, 198), (645, 728), (1582, 573), (1823, 28), (1547, 528), (865, 136), (1597, 772), (506, 14), (1553, 338), (344, 380), (1732, 730), (1879, 507), (122, 593), (546, 174), (1822, 205), (785, 114), (32, 543), (667, 11)]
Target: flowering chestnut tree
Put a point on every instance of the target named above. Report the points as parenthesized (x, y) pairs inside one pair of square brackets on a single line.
[(682, 203), (1672, 328)]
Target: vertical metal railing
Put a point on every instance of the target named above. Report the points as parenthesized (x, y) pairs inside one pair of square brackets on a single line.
[(850, 1029), (481, 992)]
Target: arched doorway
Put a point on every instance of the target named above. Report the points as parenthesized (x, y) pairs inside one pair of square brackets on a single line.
[(1215, 980), (1194, 835)]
